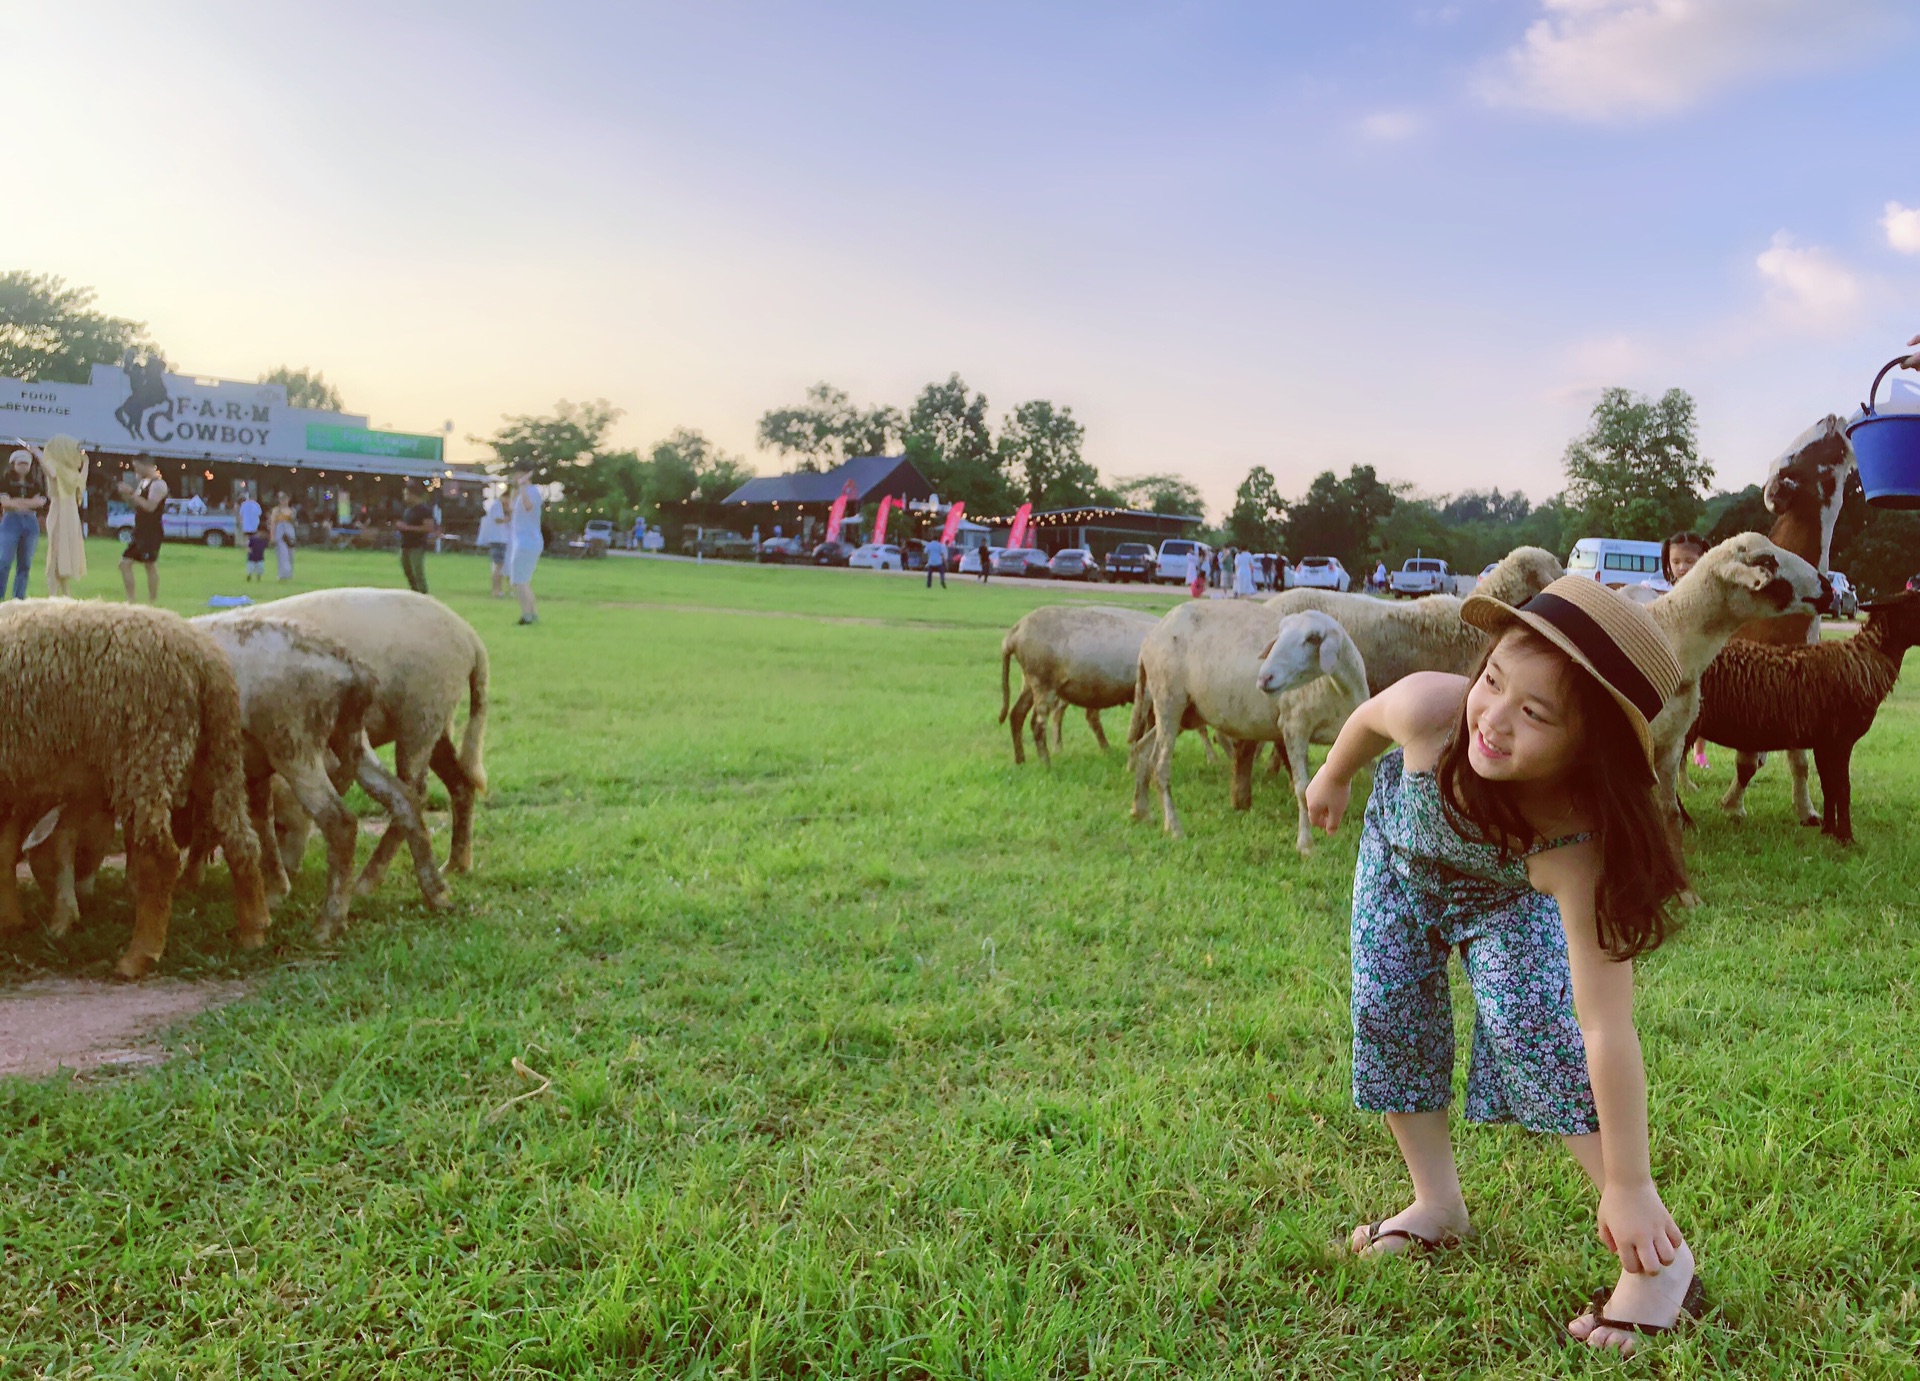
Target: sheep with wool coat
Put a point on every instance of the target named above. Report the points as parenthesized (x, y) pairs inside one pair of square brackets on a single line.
[(1072, 654), (1203, 666), (1427, 634), (1758, 697), (129, 710)]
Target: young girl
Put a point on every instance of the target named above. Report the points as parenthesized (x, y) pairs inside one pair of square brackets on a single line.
[(1515, 820)]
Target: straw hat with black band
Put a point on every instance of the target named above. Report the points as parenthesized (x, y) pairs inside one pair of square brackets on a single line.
[(1615, 640)]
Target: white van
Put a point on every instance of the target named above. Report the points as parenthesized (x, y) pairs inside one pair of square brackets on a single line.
[(1615, 562), (1171, 563)]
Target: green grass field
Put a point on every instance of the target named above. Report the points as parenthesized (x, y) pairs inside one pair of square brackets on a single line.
[(872, 1055)]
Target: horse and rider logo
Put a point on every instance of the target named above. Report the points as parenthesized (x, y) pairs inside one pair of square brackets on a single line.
[(146, 393)]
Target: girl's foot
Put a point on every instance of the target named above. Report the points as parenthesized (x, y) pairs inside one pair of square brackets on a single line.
[(1436, 1224), (1649, 1299)]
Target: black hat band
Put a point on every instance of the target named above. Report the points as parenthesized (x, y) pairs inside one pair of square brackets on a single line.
[(1603, 652)]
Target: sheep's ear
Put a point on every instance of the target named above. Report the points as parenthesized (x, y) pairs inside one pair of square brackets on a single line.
[(1329, 655), (1267, 651)]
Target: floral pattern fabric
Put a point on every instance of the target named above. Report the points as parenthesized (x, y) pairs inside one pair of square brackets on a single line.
[(1419, 891)]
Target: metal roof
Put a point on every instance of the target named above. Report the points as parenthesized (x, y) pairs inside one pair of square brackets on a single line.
[(871, 476)]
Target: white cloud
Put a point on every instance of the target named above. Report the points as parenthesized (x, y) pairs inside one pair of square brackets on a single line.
[(1390, 126), (1902, 224), (1806, 285), (1625, 59)]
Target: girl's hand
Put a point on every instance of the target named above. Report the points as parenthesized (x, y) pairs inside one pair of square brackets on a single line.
[(1637, 1228), (1327, 798)]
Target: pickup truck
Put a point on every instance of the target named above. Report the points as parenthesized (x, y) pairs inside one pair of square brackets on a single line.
[(178, 523), (720, 542), (1422, 575), (1131, 561)]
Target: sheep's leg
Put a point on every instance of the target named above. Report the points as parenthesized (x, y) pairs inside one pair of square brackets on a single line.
[(66, 906), (1296, 760), (153, 863), (1044, 706), (1140, 756), (12, 830), (1241, 794), (1169, 734), (460, 791), (1059, 716), (380, 784), (411, 769), (1206, 738), (1016, 721), (309, 784), (1735, 801), (1802, 798), (1099, 734), (1835, 762), (1276, 761), (93, 844), (273, 872), (198, 852), (292, 828)]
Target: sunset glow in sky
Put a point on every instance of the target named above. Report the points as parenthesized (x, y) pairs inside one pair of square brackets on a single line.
[(1420, 236)]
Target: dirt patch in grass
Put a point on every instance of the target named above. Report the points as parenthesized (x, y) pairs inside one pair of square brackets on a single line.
[(70, 1023)]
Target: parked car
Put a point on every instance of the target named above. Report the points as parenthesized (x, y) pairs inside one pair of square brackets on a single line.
[(1130, 561), (716, 541), (881, 557), (1913, 584), (913, 552), (1319, 573), (178, 523), (1028, 561), (970, 560), (1171, 564), (1488, 569), (1421, 575), (1615, 561), (1074, 563), (778, 551), (835, 553), (1846, 599), (598, 530)]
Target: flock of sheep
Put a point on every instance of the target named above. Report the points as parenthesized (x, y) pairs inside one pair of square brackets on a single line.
[(1744, 625), (235, 731)]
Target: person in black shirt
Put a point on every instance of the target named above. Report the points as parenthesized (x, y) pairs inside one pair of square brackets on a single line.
[(23, 494), (148, 493), (417, 528)]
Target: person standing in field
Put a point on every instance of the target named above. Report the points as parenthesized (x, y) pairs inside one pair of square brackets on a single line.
[(23, 494), (64, 467), (525, 539), (1515, 818), (249, 515), (282, 528), (1196, 572), (256, 554), (416, 530), (493, 539), (986, 562), (148, 494), (1243, 577), (936, 554)]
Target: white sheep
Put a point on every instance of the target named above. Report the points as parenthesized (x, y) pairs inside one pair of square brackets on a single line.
[(1318, 679), (1397, 639), (1201, 667), (1073, 654)]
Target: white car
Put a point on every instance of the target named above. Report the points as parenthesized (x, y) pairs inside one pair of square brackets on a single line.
[(1421, 575), (1318, 573), (876, 557)]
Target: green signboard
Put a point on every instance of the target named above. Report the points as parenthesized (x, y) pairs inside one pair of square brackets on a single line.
[(361, 441)]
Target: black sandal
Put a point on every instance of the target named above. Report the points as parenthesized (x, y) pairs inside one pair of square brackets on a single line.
[(1415, 1242), (1693, 1305)]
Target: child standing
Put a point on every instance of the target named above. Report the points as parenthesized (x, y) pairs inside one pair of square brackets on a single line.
[(256, 554), (1516, 821)]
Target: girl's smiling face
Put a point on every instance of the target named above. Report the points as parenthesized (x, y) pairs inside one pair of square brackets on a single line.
[(1522, 717)]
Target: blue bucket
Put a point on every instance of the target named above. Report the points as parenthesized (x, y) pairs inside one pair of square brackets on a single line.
[(1887, 447)]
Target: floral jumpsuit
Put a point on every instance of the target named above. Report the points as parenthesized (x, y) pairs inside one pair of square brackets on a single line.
[(1419, 890)]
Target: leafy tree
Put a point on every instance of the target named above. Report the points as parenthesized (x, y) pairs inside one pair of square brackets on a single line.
[(52, 332), (558, 446), (948, 441), (306, 388), (1483, 506), (1042, 444), (1637, 470), (1259, 514), (828, 428), (1162, 494), (1339, 517), (685, 465), (1728, 515)]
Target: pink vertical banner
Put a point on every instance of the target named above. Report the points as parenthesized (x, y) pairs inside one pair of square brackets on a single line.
[(953, 523), (1018, 537), (835, 516), (880, 521)]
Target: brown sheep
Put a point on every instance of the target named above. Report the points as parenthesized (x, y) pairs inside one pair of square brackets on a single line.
[(1085, 655), (128, 709)]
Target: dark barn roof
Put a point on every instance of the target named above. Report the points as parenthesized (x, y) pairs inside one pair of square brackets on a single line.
[(873, 477)]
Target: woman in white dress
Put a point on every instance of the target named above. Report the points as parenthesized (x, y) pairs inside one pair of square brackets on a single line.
[(524, 540), (1243, 575), (283, 533)]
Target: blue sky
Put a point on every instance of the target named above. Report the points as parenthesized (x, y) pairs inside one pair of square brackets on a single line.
[(1420, 236)]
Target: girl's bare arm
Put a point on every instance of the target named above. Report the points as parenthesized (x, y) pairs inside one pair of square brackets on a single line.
[(1415, 712)]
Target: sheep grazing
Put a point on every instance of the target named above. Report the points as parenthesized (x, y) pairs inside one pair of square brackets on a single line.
[(1805, 489), (424, 658), (304, 700), (1070, 655), (1426, 634), (1822, 697), (128, 710), (1744, 578), (1318, 680), (1202, 665)]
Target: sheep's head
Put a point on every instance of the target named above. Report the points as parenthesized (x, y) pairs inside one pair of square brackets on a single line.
[(1811, 474), (1754, 579), (1306, 647), (1901, 613), (1522, 573)]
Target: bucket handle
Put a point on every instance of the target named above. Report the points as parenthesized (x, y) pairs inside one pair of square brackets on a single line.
[(1874, 392)]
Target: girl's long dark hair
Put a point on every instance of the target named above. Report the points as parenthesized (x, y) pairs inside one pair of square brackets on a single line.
[(1640, 864)]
